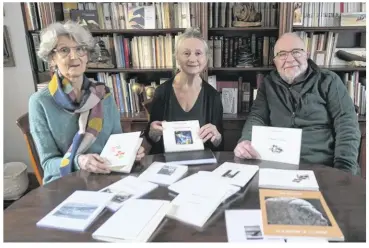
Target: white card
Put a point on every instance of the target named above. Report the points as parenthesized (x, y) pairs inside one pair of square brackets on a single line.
[(277, 144), (182, 136), (236, 174)]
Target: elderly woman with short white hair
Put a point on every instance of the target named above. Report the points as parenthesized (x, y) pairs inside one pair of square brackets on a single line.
[(71, 119)]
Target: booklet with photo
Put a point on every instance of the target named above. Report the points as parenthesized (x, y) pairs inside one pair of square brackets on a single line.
[(120, 151), (293, 213), (277, 144), (164, 174), (179, 136), (127, 188), (77, 212), (136, 221), (288, 179), (236, 174)]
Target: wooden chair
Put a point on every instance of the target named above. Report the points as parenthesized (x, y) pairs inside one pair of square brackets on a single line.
[(23, 124)]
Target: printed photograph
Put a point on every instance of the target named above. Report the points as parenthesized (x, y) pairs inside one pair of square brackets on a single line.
[(253, 232), (183, 137), (230, 174), (75, 211), (295, 211), (121, 198), (167, 170)]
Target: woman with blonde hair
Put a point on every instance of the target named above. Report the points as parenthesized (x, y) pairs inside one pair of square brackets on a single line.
[(187, 96), (71, 119)]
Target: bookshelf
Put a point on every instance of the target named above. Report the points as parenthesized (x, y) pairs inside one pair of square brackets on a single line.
[(277, 18)]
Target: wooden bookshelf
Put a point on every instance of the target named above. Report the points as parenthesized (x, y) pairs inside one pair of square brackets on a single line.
[(137, 32), (247, 29), (129, 70), (327, 29)]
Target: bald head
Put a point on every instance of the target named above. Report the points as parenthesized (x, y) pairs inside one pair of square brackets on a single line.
[(287, 42)]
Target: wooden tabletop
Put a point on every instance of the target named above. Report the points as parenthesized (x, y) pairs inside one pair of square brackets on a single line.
[(345, 195)]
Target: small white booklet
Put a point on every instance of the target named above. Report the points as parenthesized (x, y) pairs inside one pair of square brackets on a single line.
[(195, 208), (179, 136), (246, 226), (135, 221), (120, 151), (164, 174), (277, 144), (77, 212), (236, 174), (127, 188), (288, 179), (204, 181)]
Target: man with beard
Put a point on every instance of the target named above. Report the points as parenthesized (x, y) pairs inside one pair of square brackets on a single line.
[(298, 94)]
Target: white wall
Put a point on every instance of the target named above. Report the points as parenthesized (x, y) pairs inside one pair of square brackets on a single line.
[(18, 86)]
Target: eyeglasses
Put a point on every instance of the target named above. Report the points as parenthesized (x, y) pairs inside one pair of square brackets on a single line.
[(65, 51), (296, 53)]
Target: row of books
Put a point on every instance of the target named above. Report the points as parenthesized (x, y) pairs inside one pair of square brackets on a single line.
[(250, 51), (39, 15), (356, 88), (221, 15), (327, 14)]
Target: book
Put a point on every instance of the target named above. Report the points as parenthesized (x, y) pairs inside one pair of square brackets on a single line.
[(127, 188), (288, 179), (77, 212), (191, 157), (204, 181), (179, 136), (120, 151), (135, 221), (164, 174), (277, 144), (236, 174), (297, 214)]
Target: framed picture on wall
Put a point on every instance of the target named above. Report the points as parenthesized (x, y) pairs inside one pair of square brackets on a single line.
[(8, 52)]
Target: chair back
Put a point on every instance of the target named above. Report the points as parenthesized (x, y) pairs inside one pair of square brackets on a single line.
[(23, 124)]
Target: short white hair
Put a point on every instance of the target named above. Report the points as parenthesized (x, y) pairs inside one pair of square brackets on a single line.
[(49, 37), (192, 33)]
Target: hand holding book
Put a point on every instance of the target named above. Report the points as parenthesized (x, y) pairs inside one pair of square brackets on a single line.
[(244, 149), (140, 154), (156, 130), (210, 132), (93, 163)]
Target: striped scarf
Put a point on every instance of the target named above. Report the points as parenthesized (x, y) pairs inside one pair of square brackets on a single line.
[(90, 111)]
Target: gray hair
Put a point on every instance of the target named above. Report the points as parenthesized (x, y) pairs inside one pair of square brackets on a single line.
[(49, 37), (192, 33)]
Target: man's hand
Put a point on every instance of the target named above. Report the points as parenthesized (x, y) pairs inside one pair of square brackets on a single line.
[(245, 150)]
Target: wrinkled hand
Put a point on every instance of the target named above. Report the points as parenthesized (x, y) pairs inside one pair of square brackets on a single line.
[(209, 131), (93, 163), (156, 130), (245, 150), (140, 154)]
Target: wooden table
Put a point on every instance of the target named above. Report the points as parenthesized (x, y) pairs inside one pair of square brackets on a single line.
[(345, 195)]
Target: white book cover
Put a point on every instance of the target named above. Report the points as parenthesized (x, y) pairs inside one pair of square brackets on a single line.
[(135, 221), (77, 212), (277, 144), (120, 151), (288, 179), (236, 174), (182, 136), (246, 226), (195, 208), (164, 174), (204, 181), (127, 188)]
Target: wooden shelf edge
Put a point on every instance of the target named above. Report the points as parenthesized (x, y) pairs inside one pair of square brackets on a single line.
[(129, 70), (345, 28), (137, 31), (244, 29)]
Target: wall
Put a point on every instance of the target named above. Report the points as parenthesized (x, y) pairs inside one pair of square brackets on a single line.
[(18, 86)]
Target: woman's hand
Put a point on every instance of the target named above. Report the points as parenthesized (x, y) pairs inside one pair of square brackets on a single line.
[(156, 130), (140, 154), (210, 132), (93, 163)]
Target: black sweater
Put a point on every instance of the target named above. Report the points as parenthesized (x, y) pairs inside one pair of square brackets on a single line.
[(212, 109)]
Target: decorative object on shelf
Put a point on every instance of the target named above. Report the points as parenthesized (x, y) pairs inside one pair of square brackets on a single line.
[(101, 57), (245, 58), (246, 15), (8, 52), (150, 90)]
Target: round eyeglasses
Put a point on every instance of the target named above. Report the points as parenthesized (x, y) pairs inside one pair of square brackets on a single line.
[(296, 53), (65, 51)]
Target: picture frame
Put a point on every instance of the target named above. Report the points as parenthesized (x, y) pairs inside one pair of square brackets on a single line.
[(7, 50)]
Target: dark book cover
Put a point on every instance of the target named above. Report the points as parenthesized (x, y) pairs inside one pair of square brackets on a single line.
[(86, 18)]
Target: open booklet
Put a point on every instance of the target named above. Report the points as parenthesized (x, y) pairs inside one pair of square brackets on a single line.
[(126, 189), (163, 174), (77, 212), (120, 151)]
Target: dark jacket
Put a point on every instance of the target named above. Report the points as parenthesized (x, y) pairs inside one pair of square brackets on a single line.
[(159, 112), (319, 104)]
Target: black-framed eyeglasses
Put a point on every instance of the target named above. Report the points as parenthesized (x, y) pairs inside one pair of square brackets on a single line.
[(296, 53), (65, 51)]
